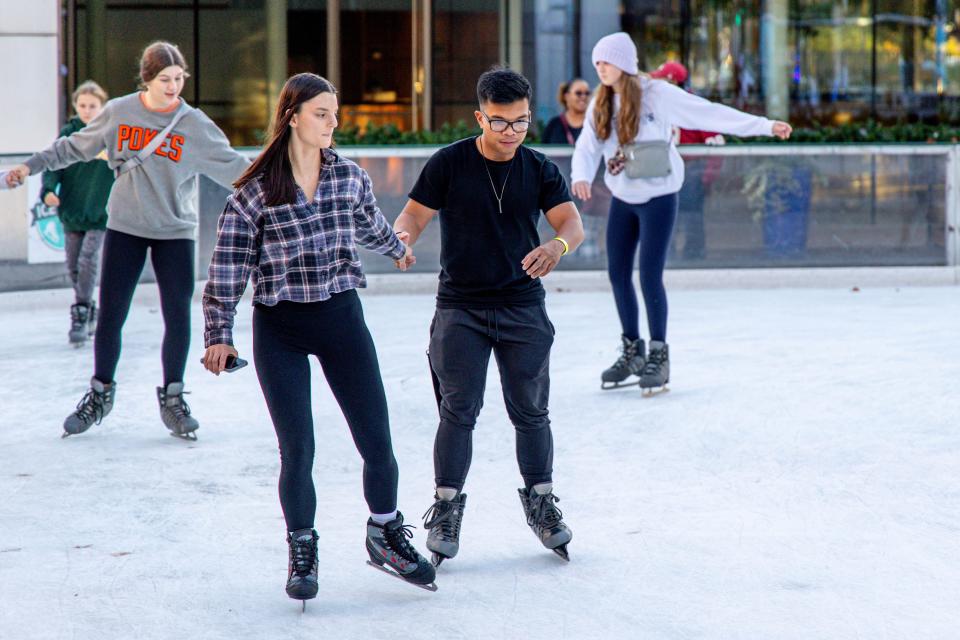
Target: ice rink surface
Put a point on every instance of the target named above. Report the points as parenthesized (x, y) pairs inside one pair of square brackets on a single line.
[(800, 480)]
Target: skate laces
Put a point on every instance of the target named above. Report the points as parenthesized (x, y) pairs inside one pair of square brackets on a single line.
[(397, 541), (441, 514), (655, 359), (303, 555), (90, 406), (544, 512), (628, 351), (180, 408)]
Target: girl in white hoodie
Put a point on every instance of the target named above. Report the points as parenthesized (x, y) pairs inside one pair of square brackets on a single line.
[(631, 108)]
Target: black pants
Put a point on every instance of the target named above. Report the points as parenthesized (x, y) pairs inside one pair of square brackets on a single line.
[(460, 344), (123, 258), (335, 332)]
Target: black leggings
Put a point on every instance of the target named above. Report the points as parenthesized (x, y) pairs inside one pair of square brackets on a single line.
[(649, 225), (123, 258), (335, 332)]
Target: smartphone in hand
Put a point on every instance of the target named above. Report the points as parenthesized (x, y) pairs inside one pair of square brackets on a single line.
[(233, 363)]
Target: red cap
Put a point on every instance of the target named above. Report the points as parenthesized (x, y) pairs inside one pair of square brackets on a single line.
[(671, 70)]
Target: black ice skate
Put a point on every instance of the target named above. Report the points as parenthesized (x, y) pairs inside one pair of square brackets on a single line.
[(442, 520), (175, 412), (79, 322), (302, 581), (656, 372), (545, 519), (630, 363), (92, 409), (390, 552)]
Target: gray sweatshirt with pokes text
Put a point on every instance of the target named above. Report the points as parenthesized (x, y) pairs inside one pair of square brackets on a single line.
[(157, 200)]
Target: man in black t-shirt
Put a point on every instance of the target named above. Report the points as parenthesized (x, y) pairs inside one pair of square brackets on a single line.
[(490, 191)]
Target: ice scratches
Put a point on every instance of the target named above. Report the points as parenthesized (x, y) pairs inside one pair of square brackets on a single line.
[(11, 550), (120, 554)]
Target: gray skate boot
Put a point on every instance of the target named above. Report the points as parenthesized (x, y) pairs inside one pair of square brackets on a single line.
[(628, 364), (93, 408), (545, 519), (176, 413), (391, 552), (442, 520), (79, 319), (92, 320), (656, 372)]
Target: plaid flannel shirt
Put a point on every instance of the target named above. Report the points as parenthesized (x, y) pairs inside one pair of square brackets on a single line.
[(301, 252)]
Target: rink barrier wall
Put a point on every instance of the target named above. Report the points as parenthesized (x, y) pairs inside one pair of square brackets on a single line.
[(883, 205)]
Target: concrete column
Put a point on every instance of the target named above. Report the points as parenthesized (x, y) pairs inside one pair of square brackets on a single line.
[(31, 81), (276, 16), (333, 42), (775, 59)]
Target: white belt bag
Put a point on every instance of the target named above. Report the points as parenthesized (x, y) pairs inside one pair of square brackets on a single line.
[(650, 159)]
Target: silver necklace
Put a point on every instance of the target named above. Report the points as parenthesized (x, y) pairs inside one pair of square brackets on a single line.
[(490, 176)]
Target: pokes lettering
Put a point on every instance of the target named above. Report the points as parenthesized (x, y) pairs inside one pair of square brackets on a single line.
[(137, 138)]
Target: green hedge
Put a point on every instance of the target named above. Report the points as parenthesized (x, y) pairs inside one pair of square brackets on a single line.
[(863, 133)]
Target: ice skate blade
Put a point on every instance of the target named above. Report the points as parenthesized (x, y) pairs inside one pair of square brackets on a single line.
[(437, 559), (607, 386), (649, 392), (426, 587), (191, 436), (562, 552)]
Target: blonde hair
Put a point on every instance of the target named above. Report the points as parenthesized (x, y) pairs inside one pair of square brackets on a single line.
[(89, 87), (628, 118)]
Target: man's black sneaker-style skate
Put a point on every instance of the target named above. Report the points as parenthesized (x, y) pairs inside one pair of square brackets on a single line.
[(545, 519), (442, 520), (175, 412), (656, 372), (92, 409), (391, 552), (79, 323), (302, 581), (630, 363)]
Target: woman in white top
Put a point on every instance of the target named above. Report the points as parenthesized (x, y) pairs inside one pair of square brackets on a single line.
[(631, 108)]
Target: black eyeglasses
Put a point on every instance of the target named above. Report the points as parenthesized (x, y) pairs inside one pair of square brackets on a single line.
[(500, 126), (581, 94)]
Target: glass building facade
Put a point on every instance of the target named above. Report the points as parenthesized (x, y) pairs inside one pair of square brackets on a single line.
[(413, 63)]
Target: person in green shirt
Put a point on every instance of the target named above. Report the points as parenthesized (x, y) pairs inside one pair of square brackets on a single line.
[(80, 193)]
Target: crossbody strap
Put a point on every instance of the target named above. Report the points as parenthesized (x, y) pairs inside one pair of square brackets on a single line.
[(132, 163)]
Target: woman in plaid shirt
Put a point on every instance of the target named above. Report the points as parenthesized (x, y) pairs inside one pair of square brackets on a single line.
[(301, 254)]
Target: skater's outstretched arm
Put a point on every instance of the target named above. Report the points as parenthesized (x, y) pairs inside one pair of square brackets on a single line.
[(82, 146), (688, 111), (217, 160)]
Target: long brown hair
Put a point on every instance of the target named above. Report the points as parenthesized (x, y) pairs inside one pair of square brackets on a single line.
[(157, 57), (273, 163), (628, 118)]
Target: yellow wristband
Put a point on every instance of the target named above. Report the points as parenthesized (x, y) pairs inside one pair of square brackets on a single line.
[(566, 247)]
